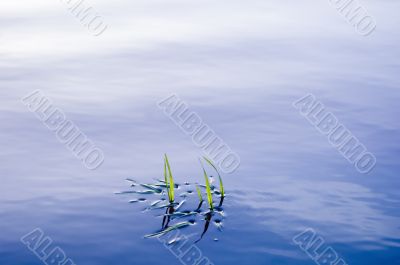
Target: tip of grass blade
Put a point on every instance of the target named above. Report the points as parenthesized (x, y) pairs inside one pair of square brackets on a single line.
[(199, 193), (221, 185)]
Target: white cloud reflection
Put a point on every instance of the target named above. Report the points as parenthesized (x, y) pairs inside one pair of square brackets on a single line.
[(46, 28), (342, 212)]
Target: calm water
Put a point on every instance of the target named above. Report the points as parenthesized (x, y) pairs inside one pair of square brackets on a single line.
[(239, 66)]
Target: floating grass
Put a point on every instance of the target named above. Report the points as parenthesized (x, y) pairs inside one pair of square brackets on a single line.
[(137, 192), (133, 182), (125, 192), (152, 187), (137, 200), (155, 203), (177, 215), (179, 205), (171, 204), (168, 229), (160, 206), (163, 185)]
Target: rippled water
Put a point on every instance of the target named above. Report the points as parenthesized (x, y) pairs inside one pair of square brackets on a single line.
[(239, 66)]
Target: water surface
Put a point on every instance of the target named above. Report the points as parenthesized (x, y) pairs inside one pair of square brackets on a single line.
[(239, 66)]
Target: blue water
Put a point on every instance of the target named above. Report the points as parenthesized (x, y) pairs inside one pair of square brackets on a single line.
[(239, 65)]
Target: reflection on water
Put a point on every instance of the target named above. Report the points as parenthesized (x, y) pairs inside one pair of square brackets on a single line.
[(346, 212)]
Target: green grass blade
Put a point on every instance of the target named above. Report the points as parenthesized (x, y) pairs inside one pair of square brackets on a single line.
[(199, 193), (171, 181), (208, 190), (221, 185), (166, 180)]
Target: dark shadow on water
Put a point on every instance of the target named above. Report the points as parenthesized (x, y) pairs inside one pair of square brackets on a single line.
[(207, 220), (167, 216)]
